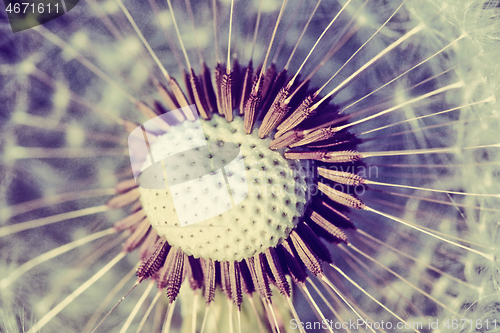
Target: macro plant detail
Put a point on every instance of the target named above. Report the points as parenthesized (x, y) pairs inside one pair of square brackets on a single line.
[(369, 135)]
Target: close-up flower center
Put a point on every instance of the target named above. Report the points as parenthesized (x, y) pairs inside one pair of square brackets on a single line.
[(261, 194)]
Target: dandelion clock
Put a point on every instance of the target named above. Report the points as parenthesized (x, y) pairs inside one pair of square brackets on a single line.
[(249, 166)]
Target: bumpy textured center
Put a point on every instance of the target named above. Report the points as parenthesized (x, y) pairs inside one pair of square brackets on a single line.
[(257, 200)]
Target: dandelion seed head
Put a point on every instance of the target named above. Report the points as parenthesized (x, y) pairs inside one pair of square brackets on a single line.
[(110, 7), (269, 198), (26, 67), (472, 60), (75, 136), (131, 45)]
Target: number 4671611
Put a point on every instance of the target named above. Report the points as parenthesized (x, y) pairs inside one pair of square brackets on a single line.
[(27, 8), (479, 324)]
